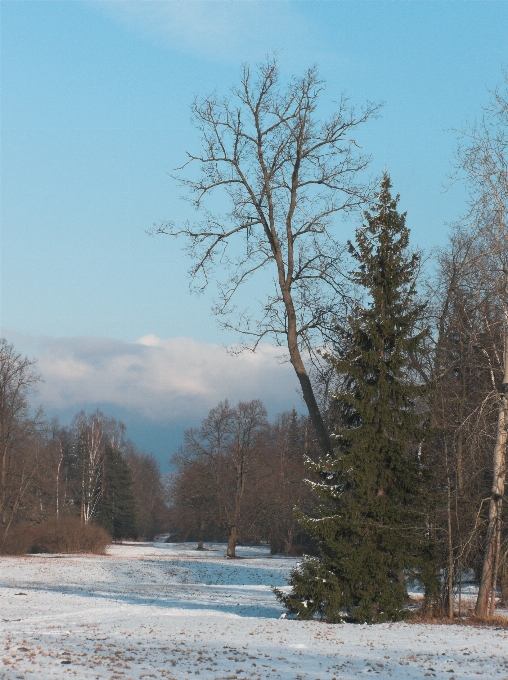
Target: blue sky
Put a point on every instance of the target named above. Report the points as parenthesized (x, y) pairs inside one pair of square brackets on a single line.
[(95, 116)]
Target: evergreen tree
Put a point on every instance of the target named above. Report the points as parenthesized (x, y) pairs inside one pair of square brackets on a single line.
[(116, 512), (368, 523)]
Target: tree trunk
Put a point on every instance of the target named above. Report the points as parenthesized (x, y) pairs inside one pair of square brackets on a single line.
[(450, 554), (303, 377), (58, 483), (233, 535), (201, 545), (496, 500), (463, 395), (504, 579), (460, 472), (496, 570), (311, 403)]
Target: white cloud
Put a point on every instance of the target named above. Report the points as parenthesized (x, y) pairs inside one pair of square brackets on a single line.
[(162, 380), (223, 30)]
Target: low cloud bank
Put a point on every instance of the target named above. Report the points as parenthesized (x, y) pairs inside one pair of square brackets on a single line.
[(160, 380)]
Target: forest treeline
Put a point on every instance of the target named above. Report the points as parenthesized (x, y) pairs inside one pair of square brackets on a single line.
[(238, 478), (88, 471)]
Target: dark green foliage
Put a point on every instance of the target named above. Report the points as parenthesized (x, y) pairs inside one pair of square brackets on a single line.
[(371, 490), (116, 511)]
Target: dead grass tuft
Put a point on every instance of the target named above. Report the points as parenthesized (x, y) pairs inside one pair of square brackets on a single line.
[(499, 622)]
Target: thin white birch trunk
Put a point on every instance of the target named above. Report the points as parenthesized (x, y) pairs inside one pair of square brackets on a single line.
[(496, 500)]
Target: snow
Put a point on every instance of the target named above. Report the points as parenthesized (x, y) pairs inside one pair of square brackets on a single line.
[(168, 611)]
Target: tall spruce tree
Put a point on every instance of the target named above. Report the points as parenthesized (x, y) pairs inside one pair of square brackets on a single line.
[(368, 523), (117, 512)]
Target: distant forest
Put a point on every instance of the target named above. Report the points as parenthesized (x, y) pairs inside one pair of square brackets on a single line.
[(89, 470), (244, 491)]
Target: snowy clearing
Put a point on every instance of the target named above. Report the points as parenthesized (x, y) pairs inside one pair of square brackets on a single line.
[(169, 611)]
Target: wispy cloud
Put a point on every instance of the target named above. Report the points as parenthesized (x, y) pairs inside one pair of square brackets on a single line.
[(162, 380), (221, 30)]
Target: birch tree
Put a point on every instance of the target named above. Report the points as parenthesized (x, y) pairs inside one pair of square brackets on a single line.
[(483, 160), (286, 176), (91, 454), (488, 582), (464, 405)]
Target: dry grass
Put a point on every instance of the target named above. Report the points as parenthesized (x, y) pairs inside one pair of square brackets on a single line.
[(497, 621), (65, 535)]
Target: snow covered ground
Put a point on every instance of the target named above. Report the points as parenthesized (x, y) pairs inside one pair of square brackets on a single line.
[(168, 611)]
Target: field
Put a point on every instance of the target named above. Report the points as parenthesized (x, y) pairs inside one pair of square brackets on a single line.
[(169, 611)]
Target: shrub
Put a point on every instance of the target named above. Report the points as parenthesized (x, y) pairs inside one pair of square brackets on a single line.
[(17, 542), (64, 535)]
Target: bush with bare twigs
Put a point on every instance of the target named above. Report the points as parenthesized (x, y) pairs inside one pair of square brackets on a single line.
[(498, 622), (65, 535)]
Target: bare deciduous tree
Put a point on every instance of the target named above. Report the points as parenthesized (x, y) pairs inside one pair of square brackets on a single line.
[(286, 176), (152, 516), (18, 432), (483, 158), (224, 448), (284, 488), (464, 405), (239, 477)]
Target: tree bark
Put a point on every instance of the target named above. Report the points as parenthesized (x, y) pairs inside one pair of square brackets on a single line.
[(496, 500), (58, 483), (504, 579), (303, 377), (463, 395), (450, 554), (496, 570), (311, 403), (233, 536), (202, 525)]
